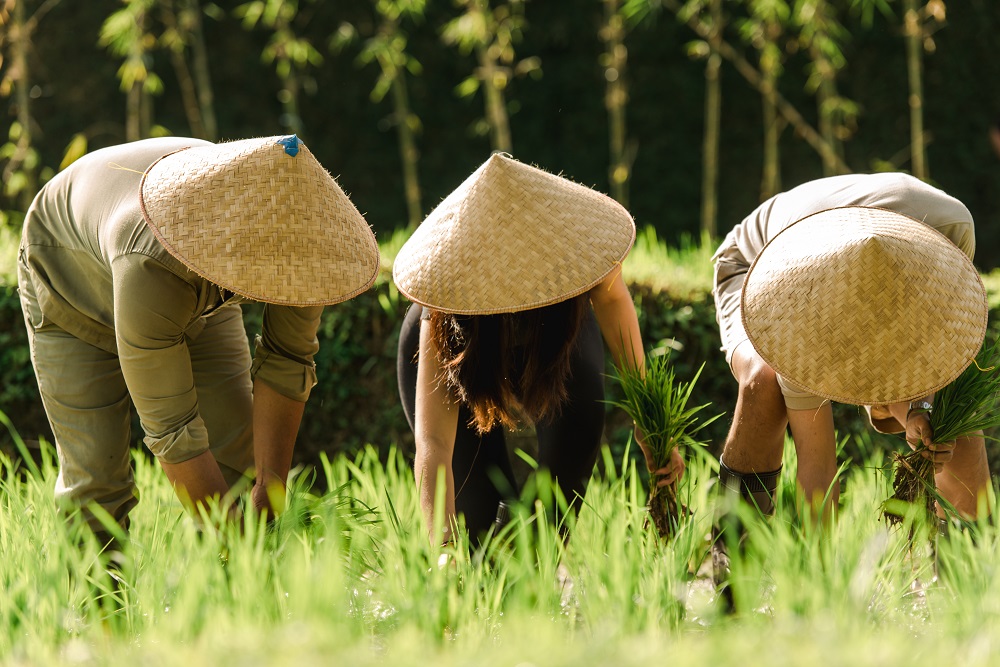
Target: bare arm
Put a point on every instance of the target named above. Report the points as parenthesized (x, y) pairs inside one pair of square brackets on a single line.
[(816, 453), (276, 420), (435, 426), (619, 323), (196, 481), (961, 468), (616, 316)]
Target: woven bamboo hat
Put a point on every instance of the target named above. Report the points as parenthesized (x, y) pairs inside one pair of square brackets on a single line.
[(864, 306), (511, 238), (262, 218)]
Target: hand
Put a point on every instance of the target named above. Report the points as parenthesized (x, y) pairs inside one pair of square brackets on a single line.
[(920, 435), (668, 474), (673, 471), (268, 499)]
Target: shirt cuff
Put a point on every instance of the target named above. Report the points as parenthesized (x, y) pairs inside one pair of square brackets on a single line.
[(178, 446), (290, 378), (882, 420)]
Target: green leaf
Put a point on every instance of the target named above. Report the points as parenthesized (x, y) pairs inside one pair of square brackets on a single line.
[(76, 149)]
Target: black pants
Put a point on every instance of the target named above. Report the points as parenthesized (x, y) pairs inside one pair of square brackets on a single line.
[(568, 443)]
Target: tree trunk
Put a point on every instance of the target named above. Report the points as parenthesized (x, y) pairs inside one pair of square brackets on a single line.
[(189, 95), (135, 111), (496, 110), (914, 67), (713, 116), (615, 100), (826, 93), (408, 153), (290, 117), (132, 113), (201, 72), (753, 76), (20, 42), (770, 183), (290, 84), (145, 113)]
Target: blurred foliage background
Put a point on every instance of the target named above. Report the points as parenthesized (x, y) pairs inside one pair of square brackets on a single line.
[(611, 93)]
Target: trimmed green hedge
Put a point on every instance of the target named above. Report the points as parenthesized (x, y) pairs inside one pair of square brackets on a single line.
[(356, 401)]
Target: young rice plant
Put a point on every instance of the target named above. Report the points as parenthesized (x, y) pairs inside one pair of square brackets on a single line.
[(962, 408), (658, 403)]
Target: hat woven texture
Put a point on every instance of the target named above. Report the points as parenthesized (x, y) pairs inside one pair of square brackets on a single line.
[(262, 218), (511, 238), (865, 306)]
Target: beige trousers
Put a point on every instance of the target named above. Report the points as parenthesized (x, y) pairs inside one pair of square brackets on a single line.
[(88, 407), (730, 272)]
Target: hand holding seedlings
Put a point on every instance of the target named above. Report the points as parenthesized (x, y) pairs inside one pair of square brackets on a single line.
[(668, 474), (658, 404), (920, 437), (962, 411)]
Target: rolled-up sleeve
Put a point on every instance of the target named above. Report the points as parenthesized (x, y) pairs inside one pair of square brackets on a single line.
[(882, 420), (284, 352), (153, 307), (962, 234)]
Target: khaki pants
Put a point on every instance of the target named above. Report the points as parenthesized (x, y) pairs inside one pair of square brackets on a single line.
[(90, 412), (730, 274)]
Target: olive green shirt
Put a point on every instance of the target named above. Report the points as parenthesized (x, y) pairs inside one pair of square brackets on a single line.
[(100, 274)]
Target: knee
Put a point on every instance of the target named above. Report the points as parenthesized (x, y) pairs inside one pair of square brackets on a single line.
[(758, 382)]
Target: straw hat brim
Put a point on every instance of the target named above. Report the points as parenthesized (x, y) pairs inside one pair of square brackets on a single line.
[(262, 222), (512, 237), (865, 306)]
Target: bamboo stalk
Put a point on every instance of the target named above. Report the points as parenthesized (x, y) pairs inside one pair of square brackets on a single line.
[(753, 76), (713, 124), (914, 71)]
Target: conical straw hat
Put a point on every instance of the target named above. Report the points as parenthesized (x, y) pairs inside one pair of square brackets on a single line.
[(262, 218), (865, 306), (511, 238)]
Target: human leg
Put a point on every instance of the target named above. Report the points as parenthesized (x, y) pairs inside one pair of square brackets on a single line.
[(750, 464), (483, 474), (406, 361), (89, 410), (756, 438)]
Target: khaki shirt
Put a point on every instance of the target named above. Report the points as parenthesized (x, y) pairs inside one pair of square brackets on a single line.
[(99, 273), (897, 192)]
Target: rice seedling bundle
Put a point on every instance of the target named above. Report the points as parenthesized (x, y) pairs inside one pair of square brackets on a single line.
[(658, 404), (964, 407)]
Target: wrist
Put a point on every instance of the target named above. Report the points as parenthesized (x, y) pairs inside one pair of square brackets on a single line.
[(922, 406)]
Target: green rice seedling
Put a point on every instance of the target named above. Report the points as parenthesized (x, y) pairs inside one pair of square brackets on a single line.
[(658, 403), (962, 408)]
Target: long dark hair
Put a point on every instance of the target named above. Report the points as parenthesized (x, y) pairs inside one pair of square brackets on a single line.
[(509, 365)]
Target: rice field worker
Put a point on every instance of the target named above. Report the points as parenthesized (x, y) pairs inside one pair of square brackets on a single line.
[(858, 289), (132, 265), (515, 278)]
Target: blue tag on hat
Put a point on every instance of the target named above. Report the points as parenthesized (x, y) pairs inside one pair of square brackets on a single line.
[(291, 144)]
